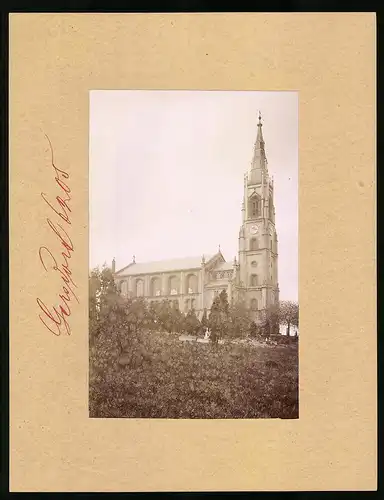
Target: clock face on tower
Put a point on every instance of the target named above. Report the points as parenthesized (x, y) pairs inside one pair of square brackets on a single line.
[(254, 229)]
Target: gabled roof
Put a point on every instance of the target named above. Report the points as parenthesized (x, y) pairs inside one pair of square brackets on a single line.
[(163, 266), (224, 266)]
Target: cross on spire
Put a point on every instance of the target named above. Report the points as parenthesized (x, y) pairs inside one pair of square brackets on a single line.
[(259, 138)]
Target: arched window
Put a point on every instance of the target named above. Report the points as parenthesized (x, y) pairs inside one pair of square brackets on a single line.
[(191, 283), (139, 288), (155, 287), (253, 280), (253, 263), (254, 305), (173, 285), (254, 206), (254, 244), (193, 304)]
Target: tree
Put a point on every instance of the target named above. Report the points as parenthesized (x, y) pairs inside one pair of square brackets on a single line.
[(214, 320), (272, 320), (136, 314), (177, 319), (107, 320), (254, 329), (224, 305), (219, 316), (204, 319), (224, 313), (289, 314), (192, 324), (94, 307), (239, 319), (104, 300), (152, 315), (165, 315)]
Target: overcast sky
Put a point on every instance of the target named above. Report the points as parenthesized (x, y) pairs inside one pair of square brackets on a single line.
[(166, 174)]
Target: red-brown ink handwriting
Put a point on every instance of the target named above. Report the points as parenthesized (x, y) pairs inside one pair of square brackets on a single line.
[(55, 318)]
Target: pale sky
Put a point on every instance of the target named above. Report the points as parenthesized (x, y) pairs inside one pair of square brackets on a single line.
[(166, 174)]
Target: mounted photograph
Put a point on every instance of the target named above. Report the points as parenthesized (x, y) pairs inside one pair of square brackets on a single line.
[(193, 263)]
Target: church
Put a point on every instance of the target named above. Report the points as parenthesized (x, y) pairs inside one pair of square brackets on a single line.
[(193, 282)]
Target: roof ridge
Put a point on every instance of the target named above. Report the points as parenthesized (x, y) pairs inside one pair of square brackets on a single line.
[(166, 265), (171, 258)]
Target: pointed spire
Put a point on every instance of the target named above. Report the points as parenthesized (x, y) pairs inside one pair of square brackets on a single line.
[(259, 159), (219, 248), (113, 265), (203, 260), (134, 259)]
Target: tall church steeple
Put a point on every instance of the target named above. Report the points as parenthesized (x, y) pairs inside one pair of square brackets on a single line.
[(257, 277), (259, 160)]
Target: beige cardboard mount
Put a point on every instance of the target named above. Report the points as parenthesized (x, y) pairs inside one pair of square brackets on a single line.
[(55, 60)]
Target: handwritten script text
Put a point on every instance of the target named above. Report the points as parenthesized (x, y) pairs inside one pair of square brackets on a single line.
[(55, 318)]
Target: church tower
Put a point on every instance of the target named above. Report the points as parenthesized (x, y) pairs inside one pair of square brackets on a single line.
[(257, 276)]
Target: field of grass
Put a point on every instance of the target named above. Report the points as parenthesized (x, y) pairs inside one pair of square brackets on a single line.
[(167, 378)]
